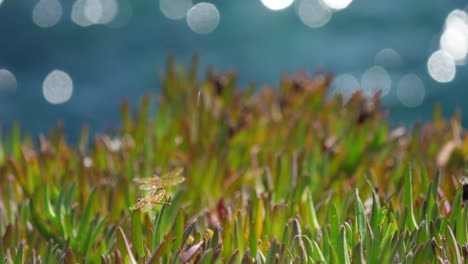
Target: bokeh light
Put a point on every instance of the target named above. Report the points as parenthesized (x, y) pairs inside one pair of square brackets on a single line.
[(337, 4), (346, 85), (7, 81), (454, 42), (203, 18), (93, 11), (87, 162), (410, 90), (175, 9), (90, 12), (441, 66), (1, 2), (277, 4), (47, 13), (454, 39), (77, 14), (456, 16), (57, 87), (376, 79), (388, 58), (313, 13), (110, 9)]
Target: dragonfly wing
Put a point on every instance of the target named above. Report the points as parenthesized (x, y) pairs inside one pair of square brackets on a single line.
[(158, 196), (158, 180), (170, 181), (152, 192), (142, 180), (147, 207), (173, 173), (139, 204), (148, 182), (154, 199), (150, 187)]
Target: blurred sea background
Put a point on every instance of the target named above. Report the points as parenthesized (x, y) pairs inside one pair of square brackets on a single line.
[(76, 60)]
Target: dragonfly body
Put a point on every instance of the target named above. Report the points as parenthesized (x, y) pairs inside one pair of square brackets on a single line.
[(149, 201)]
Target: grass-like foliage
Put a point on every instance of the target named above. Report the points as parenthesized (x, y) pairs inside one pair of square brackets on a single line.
[(275, 175)]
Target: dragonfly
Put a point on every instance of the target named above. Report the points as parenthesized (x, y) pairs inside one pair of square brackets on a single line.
[(153, 198), (155, 186), (169, 179)]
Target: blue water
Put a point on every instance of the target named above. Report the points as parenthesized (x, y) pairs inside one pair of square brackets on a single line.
[(108, 64)]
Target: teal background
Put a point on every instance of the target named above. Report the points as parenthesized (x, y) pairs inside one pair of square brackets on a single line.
[(108, 64)]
